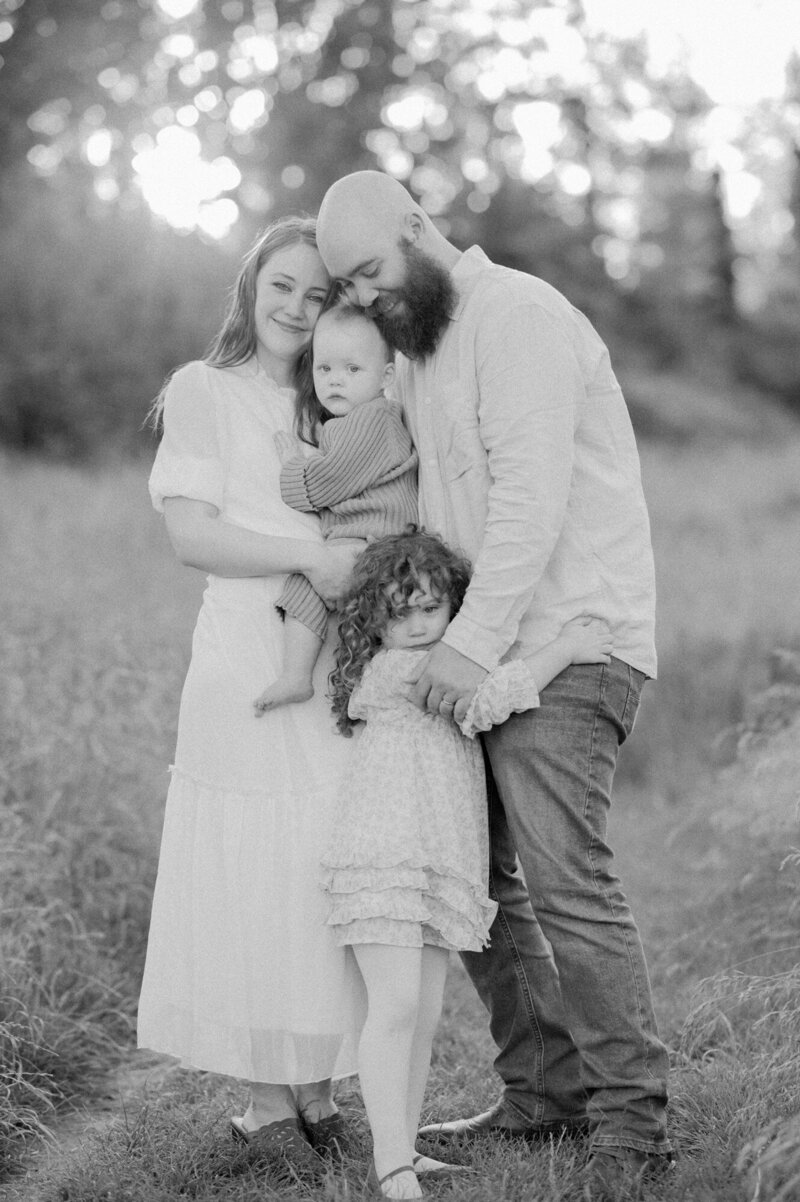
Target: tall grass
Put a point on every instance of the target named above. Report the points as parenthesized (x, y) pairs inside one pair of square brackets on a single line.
[(726, 534), (95, 642)]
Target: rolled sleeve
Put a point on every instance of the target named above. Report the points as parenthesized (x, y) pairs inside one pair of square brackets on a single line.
[(188, 462)]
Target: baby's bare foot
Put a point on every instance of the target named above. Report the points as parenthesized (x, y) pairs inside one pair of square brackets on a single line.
[(286, 690)]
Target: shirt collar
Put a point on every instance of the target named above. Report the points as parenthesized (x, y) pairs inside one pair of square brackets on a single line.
[(471, 262), (252, 368)]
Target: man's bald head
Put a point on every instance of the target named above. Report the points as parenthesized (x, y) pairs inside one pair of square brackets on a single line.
[(392, 261), (360, 215)]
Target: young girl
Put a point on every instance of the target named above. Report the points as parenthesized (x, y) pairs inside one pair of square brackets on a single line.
[(362, 479), (406, 870)]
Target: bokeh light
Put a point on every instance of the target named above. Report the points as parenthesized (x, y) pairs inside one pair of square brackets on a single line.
[(177, 9), (185, 189)]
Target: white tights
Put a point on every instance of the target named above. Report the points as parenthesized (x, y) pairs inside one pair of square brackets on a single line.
[(405, 986)]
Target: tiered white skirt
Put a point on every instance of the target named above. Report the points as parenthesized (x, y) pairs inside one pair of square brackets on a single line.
[(243, 976)]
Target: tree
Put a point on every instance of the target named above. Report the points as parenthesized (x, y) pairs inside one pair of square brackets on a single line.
[(512, 121)]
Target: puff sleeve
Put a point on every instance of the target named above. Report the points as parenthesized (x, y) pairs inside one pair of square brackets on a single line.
[(188, 462), (384, 684)]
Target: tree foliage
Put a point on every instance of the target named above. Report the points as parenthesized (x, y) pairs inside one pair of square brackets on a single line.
[(515, 123)]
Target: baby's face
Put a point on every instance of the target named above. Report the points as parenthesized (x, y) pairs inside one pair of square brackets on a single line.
[(350, 367), (420, 622)]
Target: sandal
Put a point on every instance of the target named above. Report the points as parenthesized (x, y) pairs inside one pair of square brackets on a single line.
[(328, 1137), (282, 1141), (377, 1183)]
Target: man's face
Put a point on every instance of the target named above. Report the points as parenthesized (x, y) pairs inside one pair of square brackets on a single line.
[(413, 315), (407, 293)]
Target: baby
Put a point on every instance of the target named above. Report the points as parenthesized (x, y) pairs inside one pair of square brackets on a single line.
[(362, 479)]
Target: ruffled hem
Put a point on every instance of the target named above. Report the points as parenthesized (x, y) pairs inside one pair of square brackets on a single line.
[(242, 976), (509, 689), (363, 900), (394, 933)]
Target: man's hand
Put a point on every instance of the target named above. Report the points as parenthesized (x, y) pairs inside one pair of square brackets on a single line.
[(330, 575), (445, 682)]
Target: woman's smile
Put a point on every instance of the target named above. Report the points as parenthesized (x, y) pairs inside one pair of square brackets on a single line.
[(290, 289), (290, 326)]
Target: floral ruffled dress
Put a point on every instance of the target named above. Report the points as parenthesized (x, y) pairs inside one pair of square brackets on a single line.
[(408, 861)]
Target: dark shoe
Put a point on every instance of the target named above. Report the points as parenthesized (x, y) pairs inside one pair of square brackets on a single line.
[(376, 1183), (442, 1172), (282, 1142), (613, 1175), (502, 1122), (328, 1137)]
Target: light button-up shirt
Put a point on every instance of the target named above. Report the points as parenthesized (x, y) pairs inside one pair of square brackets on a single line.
[(528, 464)]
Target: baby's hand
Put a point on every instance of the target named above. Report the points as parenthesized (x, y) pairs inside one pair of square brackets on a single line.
[(588, 640), (287, 446)]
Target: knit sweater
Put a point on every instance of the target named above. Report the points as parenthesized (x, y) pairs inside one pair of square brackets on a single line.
[(363, 479)]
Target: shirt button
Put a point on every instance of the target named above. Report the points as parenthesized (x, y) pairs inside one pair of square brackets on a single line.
[(430, 463), (427, 400)]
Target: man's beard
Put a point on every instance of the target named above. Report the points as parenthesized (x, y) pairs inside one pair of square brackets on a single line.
[(424, 304)]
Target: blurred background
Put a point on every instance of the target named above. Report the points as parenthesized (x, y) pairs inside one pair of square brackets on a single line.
[(641, 157)]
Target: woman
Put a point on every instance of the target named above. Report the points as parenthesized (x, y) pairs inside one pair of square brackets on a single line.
[(242, 976)]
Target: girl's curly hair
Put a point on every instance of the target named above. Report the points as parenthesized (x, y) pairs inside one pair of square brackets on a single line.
[(396, 562)]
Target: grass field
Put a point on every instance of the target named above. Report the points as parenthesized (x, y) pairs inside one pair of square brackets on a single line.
[(94, 644)]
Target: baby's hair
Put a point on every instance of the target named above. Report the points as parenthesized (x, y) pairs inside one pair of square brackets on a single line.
[(396, 562), (309, 414)]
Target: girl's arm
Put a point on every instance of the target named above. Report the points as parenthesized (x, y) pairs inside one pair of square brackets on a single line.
[(201, 539), (584, 640)]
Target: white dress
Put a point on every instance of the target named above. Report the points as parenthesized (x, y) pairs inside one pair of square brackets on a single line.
[(242, 975), (408, 858)]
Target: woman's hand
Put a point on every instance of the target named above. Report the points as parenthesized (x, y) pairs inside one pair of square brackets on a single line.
[(330, 574)]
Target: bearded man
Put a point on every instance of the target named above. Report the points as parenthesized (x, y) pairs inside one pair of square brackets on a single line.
[(528, 464)]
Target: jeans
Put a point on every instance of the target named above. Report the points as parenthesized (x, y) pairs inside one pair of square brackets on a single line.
[(564, 979)]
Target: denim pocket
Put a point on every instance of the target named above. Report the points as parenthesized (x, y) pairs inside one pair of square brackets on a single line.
[(630, 710)]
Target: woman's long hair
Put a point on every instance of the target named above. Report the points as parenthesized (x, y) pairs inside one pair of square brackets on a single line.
[(387, 571), (236, 341)]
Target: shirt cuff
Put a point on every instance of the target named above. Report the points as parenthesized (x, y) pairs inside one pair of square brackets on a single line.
[(293, 485), (483, 647)]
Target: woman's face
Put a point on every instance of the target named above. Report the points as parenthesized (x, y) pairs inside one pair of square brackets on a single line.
[(290, 289)]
